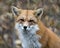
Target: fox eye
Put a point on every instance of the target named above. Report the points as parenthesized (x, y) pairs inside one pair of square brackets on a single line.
[(31, 21), (21, 19)]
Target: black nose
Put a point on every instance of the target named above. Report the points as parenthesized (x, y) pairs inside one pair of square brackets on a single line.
[(25, 27)]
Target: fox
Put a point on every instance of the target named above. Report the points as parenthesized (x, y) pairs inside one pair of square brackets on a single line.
[(31, 31)]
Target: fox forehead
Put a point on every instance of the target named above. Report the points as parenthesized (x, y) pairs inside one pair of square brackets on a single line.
[(26, 14)]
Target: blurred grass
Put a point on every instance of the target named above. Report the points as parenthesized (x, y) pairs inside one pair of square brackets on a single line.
[(51, 15)]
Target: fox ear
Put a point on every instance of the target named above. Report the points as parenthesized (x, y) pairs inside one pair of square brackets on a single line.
[(39, 12), (15, 11)]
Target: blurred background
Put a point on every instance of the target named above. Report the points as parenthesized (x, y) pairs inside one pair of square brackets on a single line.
[(51, 19)]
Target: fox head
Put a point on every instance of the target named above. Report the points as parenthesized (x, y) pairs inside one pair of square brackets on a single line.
[(27, 20)]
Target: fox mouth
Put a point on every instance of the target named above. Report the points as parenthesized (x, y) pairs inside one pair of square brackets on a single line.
[(25, 30)]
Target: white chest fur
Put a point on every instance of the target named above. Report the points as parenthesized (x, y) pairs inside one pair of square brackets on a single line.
[(30, 41), (28, 38)]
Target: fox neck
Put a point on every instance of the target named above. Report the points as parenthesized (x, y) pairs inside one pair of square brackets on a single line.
[(29, 40), (41, 26)]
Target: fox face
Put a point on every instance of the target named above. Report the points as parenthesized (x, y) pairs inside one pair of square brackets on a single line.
[(26, 19), (26, 22)]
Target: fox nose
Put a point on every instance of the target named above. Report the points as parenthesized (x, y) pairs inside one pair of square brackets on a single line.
[(25, 27)]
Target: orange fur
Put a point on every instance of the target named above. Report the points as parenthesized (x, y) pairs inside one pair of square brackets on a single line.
[(48, 38)]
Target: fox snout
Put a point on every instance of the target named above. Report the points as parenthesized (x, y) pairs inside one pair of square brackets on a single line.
[(25, 27)]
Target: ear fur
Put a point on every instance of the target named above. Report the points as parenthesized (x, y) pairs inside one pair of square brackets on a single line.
[(39, 12), (15, 10)]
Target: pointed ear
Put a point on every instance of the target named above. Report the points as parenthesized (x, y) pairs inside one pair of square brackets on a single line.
[(15, 11), (39, 12)]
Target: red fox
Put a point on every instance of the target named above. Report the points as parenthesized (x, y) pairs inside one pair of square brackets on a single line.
[(31, 31)]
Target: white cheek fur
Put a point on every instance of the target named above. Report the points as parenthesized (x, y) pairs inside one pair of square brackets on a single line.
[(17, 26), (34, 28)]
